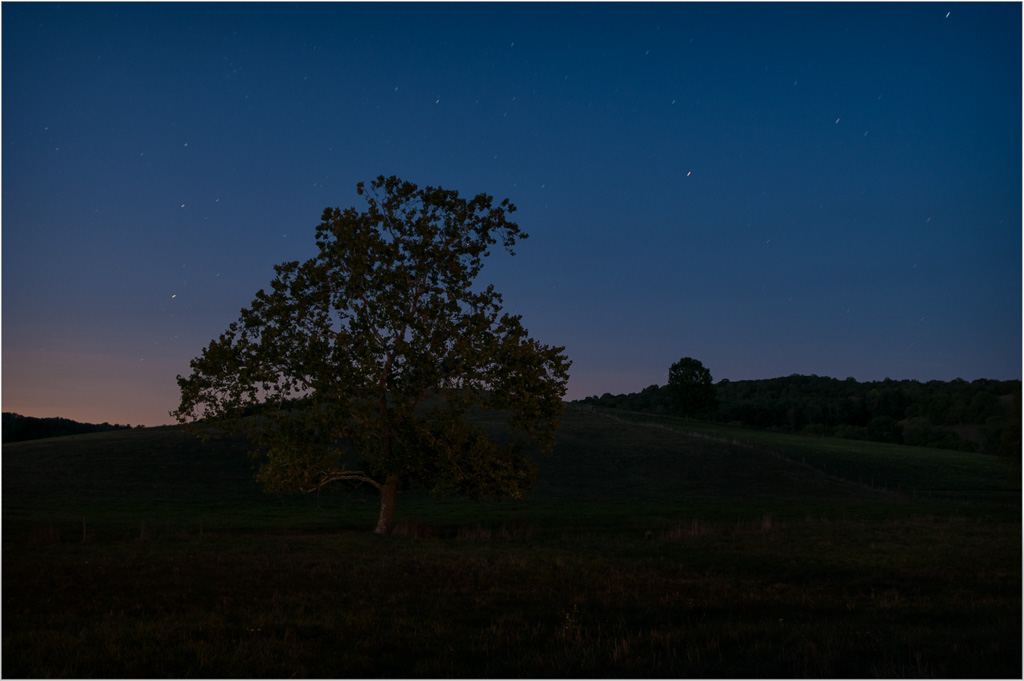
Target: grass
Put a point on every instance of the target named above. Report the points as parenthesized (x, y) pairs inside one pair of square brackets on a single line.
[(647, 549), (924, 471)]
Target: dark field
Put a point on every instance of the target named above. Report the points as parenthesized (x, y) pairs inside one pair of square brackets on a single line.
[(644, 551)]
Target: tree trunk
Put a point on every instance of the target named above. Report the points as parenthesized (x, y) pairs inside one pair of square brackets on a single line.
[(387, 505)]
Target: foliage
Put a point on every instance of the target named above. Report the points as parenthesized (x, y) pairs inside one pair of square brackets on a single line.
[(983, 415), (17, 428), (691, 387), (362, 362)]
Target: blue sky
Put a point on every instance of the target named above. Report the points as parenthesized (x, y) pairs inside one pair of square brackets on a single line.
[(769, 188)]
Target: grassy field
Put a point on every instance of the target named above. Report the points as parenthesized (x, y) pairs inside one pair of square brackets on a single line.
[(935, 473), (650, 547)]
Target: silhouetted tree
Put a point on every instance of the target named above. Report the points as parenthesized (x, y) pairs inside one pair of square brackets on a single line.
[(386, 344), (689, 384)]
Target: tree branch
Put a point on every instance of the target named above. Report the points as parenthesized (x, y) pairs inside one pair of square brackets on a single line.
[(340, 476)]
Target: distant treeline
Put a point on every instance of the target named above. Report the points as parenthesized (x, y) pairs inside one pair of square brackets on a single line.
[(17, 427), (981, 416)]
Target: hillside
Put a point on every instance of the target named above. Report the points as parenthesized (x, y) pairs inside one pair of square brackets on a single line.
[(982, 415), (601, 463), (17, 428)]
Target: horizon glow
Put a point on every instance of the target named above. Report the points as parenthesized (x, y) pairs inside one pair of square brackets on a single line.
[(773, 189)]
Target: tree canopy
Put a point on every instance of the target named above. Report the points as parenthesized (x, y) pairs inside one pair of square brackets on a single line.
[(691, 388), (982, 415), (361, 364)]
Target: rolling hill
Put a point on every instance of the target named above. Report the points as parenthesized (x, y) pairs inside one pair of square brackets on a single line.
[(602, 461)]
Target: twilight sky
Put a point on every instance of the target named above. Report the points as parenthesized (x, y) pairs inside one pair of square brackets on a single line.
[(771, 188)]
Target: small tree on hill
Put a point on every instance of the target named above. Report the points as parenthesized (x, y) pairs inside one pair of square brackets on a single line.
[(689, 384), (360, 364)]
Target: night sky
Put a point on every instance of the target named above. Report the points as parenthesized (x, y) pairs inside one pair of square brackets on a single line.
[(772, 189)]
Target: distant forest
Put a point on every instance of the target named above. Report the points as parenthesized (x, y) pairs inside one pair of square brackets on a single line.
[(17, 427), (980, 416)]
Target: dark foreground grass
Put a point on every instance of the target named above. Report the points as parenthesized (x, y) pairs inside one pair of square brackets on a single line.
[(925, 597), (642, 553)]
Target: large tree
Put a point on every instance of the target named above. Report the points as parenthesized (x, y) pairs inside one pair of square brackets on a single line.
[(361, 365), (689, 384)]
